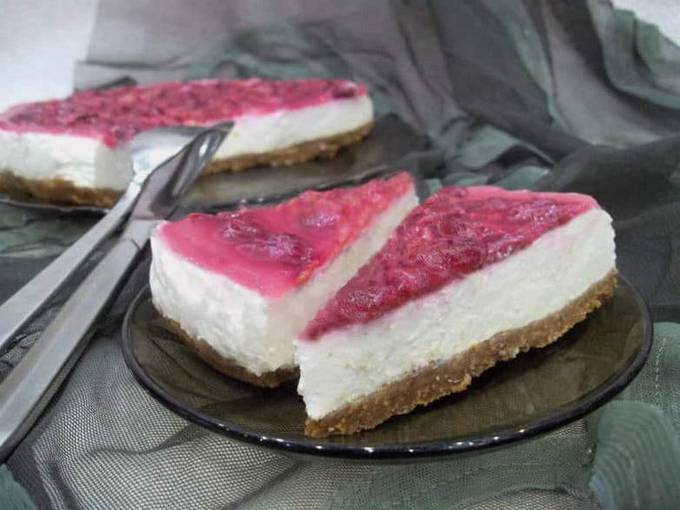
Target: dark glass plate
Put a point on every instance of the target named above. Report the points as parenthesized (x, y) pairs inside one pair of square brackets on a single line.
[(392, 144), (538, 391)]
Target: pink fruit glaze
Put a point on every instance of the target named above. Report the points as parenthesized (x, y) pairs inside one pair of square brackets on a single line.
[(117, 114), (274, 250), (453, 233)]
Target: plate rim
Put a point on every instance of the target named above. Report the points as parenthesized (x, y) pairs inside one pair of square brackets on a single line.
[(566, 414), (54, 207)]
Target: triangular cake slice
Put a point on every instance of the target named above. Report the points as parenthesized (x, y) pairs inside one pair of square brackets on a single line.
[(471, 277), (238, 286)]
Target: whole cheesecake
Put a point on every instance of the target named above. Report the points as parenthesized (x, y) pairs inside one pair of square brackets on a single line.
[(472, 276), (239, 286), (72, 149)]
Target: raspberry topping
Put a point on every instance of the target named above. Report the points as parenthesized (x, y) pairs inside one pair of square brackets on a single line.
[(455, 232), (116, 115), (275, 249)]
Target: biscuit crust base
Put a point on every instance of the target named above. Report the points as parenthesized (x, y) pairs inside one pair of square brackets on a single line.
[(55, 190), (299, 153), (61, 191), (436, 381), (229, 366)]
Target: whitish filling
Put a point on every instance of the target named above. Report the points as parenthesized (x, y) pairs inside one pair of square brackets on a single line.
[(87, 162), (355, 361), (239, 323), (80, 160), (258, 134)]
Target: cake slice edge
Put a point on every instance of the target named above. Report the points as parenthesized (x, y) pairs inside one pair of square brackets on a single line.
[(252, 317), (358, 376), (435, 381)]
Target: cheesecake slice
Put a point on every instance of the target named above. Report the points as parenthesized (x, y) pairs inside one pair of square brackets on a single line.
[(473, 276), (72, 150), (239, 286)]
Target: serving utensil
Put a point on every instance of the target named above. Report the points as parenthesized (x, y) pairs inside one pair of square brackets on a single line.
[(151, 196), (148, 151)]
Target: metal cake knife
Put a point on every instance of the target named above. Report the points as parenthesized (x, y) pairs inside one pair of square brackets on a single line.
[(148, 151), (151, 196)]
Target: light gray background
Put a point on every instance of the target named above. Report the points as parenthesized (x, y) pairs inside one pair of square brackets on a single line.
[(41, 40)]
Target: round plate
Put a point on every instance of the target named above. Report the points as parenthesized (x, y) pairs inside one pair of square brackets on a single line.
[(536, 392)]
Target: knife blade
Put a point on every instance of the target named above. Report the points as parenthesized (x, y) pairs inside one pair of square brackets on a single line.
[(148, 150), (31, 384)]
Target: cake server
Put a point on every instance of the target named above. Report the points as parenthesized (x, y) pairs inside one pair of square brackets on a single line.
[(152, 196), (148, 150)]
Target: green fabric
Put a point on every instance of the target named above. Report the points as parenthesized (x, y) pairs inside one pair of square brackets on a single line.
[(557, 461), (557, 66), (637, 463), (12, 495), (302, 62), (638, 58), (524, 177), (638, 457), (484, 143), (27, 233), (627, 455), (516, 20)]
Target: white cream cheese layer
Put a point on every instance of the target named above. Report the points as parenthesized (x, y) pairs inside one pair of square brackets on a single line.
[(239, 323), (355, 361), (263, 133), (89, 163), (81, 160)]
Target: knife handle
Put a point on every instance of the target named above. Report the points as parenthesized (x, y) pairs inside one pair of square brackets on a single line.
[(25, 303), (31, 384)]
